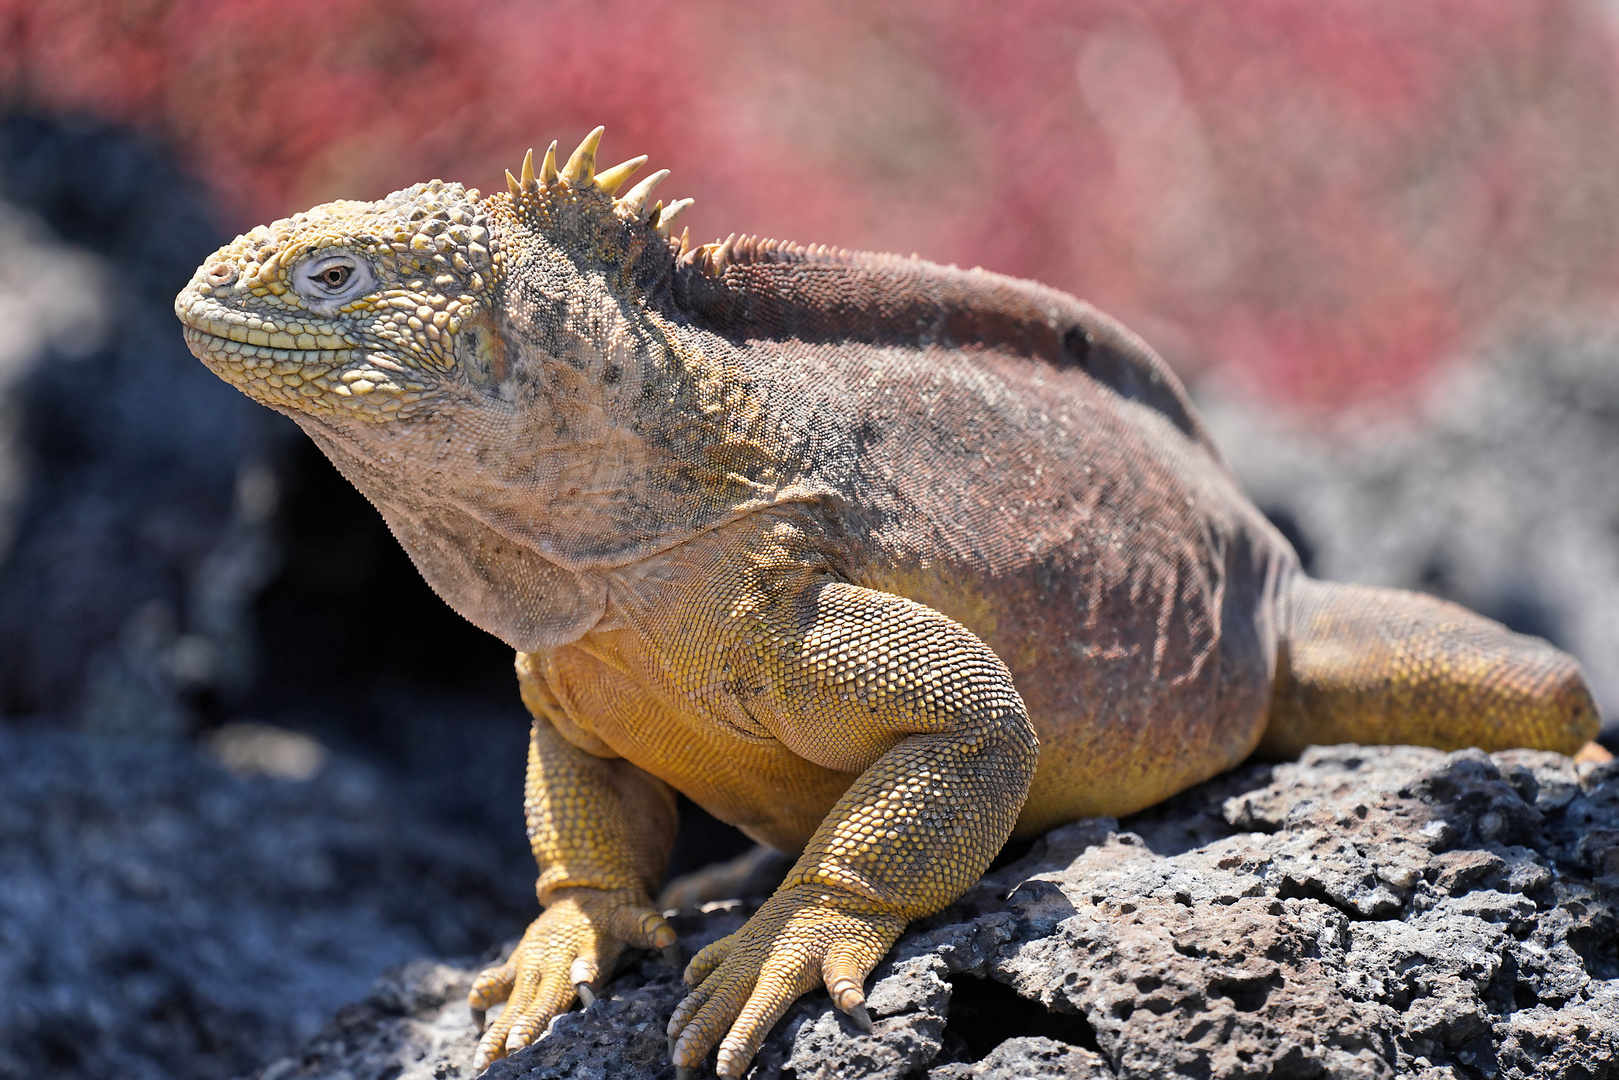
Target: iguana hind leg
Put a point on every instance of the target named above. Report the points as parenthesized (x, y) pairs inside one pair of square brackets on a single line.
[(1370, 665), (755, 872)]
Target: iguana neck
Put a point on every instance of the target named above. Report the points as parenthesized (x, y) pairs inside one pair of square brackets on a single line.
[(591, 430)]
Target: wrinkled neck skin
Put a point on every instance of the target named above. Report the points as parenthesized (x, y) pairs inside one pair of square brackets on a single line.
[(581, 434)]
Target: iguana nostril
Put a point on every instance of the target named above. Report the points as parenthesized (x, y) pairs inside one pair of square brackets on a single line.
[(220, 273)]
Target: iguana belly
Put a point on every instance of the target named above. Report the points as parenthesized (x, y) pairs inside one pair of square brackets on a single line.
[(608, 702), (1143, 675)]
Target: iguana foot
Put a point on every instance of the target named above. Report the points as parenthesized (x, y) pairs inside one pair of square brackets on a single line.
[(567, 952), (803, 937)]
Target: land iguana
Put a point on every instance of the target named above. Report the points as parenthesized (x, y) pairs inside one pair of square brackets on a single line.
[(880, 561)]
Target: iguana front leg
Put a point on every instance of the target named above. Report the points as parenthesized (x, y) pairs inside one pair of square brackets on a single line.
[(860, 680), (601, 830)]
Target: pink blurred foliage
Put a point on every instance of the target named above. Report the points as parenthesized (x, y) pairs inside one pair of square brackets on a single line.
[(1325, 198)]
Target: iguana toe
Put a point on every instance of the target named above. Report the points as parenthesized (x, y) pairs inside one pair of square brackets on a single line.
[(712, 955), (492, 986), (565, 953), (800, 939)]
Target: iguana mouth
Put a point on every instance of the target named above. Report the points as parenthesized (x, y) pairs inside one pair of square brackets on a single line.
[(261, 333), (344, 380), (251, 356)]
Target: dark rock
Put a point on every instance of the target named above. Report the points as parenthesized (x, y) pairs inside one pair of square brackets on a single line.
[(163, 918), (137, 529), (1356, 915)]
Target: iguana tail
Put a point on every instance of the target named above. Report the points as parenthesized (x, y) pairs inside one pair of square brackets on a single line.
[(1369, 665)]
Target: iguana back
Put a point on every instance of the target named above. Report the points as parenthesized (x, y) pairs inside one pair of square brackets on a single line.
[(1019, 461), (1015, 459)]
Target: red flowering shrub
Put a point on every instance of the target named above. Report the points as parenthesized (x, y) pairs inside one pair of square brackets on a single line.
[(1326, 197)]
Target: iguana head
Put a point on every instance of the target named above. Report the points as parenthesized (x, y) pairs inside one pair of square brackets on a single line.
[(367, 309), (484, 369)]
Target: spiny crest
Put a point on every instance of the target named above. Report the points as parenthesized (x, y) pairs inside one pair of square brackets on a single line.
[(735, 250), (579, 174)]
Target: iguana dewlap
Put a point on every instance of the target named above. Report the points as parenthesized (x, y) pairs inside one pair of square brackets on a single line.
[(876, 559)]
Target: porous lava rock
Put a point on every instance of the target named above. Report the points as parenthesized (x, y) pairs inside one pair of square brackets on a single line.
[(1364, 912)]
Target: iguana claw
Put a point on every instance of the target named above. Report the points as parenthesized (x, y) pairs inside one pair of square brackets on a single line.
[(801, 938), (579, 936)]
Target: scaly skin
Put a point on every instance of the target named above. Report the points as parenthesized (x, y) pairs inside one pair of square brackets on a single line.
[(1380, 666), (880, 561)]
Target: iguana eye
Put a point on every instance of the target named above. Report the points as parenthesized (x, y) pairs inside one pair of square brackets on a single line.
[(327, 281)]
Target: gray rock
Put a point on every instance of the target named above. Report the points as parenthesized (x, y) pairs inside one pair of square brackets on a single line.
[(137, 491), (164, 919), (1029, 1057), (1365, 912), (1579, 1040)]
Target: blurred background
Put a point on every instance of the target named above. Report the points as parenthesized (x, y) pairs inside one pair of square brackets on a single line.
[(247, 759)]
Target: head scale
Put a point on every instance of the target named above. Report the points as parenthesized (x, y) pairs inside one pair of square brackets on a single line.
[(363, 309)]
